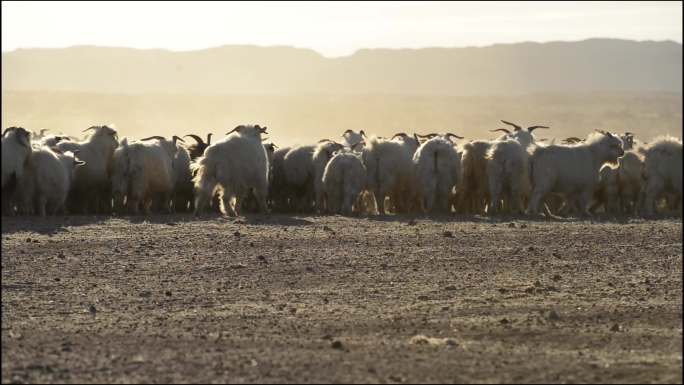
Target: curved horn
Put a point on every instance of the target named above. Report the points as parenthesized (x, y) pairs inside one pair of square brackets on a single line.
[(263, 129), (573, 139), (264, 139), (415, 136), (90, 128), (402, 134), (517, 128), (346, 132), (324, 140), (153, 137), (502, 130), (629, 134), (197, 138), (209, 138), (449, 134), (362, 133), (42, 131), (532, 128), (233, 130), (175, 138)]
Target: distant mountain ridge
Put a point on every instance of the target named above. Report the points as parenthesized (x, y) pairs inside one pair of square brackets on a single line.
[(501, 69)]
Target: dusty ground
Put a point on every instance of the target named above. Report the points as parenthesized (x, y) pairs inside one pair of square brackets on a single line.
[(332, 299)]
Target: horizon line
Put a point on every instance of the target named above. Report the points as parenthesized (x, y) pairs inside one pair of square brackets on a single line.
[(340, 56)]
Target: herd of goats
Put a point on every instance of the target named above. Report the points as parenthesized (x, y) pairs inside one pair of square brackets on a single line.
[(515, 173)]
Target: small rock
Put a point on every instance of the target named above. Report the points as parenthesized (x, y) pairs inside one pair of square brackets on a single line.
[(512, 224), (448, 234), (167, 293), (337, 345), (251, 244), (57, 279), (146, 294), (92, 309), (237, 234), (262, 259), (28, 240), (450, 288), (530, 248), (523, 226), (504, 321), (327, 337), (553, 315), (60, 255), (293, 310), (503, 290), (326, 228), (616, 328), (422, 297), (172, 224), (537, 283), (411, 222), (556, 277)]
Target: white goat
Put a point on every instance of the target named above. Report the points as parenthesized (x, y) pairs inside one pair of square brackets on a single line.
[(237, 163), (572, 170), (354, 140), (144, 172), (507, 168), (437, 172), (16, 148), (92, 184), (51, 175), (344, 178), (321, 156), (390, 171), (662, 172), (473, 189)]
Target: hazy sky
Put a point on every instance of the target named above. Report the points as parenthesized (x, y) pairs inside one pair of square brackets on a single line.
[(333, 29)]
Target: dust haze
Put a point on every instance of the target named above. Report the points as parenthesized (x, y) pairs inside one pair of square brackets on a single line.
[(574, 87)]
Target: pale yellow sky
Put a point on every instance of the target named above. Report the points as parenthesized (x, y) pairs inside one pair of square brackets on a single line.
[(330, 28)]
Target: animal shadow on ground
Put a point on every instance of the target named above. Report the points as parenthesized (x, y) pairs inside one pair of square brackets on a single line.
[(48, 225)]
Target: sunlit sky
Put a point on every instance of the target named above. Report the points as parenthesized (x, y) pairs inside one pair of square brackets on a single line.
[(330, 28)]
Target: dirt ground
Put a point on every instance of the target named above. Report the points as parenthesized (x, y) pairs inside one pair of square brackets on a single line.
[(333, 299)]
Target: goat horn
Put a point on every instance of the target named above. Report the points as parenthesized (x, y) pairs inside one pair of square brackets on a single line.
[(517, 128), (233, 130), (197, 138), (324, 140), (502, 130), (89, 128), (175, 138), (532, 128), (403, 135), (362, 133), (449, 134), (153, 137)]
